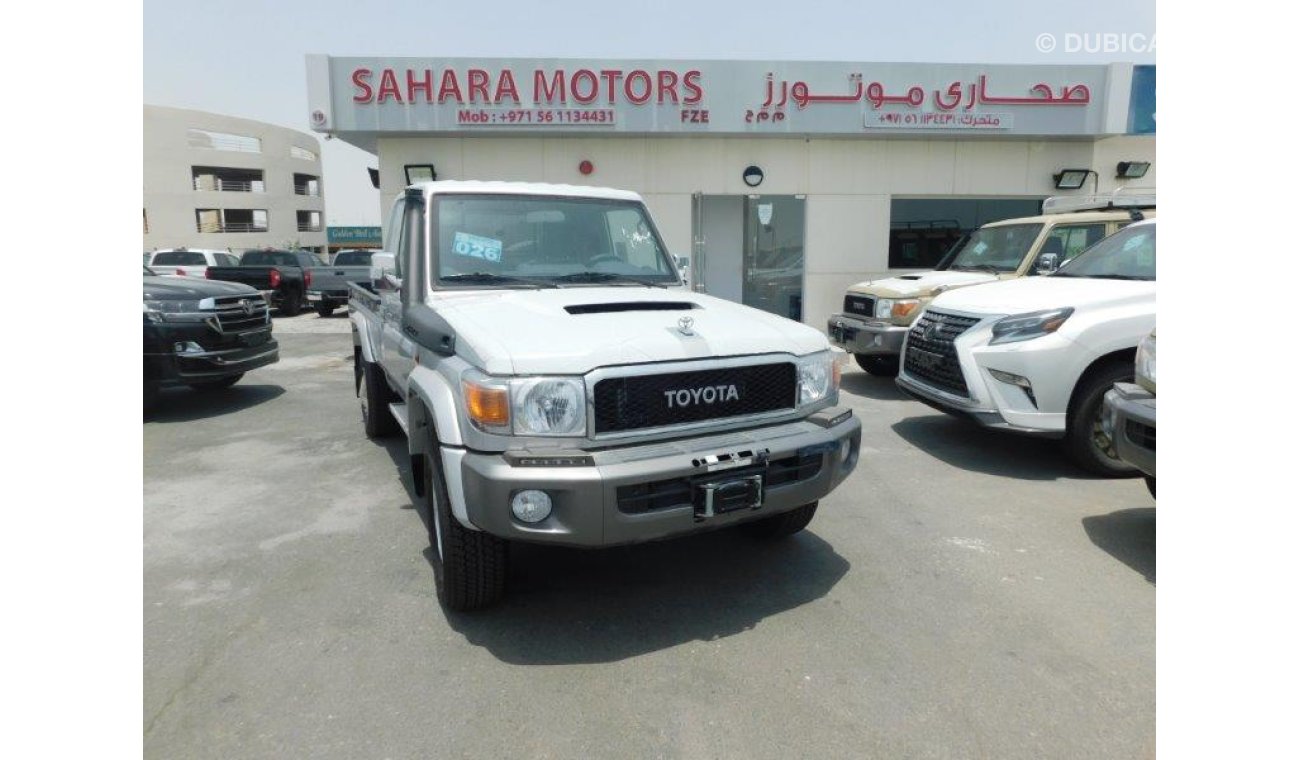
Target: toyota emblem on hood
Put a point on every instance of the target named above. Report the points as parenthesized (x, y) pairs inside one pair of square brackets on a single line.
[(684, 325)]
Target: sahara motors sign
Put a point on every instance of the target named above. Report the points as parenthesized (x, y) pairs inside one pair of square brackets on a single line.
[(416, 95)]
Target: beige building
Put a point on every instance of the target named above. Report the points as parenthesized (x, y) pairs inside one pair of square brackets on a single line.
[(785, 182), (219, 182)]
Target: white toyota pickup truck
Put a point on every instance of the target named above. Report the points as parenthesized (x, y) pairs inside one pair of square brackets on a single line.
[(1037, 355), (557, 384)]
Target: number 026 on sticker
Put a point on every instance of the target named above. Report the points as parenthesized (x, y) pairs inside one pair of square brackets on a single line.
[(465, 244)]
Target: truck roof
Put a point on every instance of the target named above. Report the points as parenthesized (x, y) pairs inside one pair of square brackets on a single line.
[(461, 187)]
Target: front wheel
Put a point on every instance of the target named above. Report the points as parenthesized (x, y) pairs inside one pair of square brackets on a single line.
[(470, 566), (1085, 443), (878, 366), (784, 524)]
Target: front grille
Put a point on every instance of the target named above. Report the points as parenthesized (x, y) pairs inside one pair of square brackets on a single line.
[(234, 318), (1141, 435), (860, 305), (931, 356), (674, 398), (678, 492)]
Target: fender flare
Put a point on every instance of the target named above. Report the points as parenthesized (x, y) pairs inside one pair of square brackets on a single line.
[(430, 399), (361, 337)]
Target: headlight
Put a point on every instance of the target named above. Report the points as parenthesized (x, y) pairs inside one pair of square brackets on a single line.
[(549, 406), (817, 377), (1029, 326), (173, 311), (883, 307), (904, 308), (1146, 361)]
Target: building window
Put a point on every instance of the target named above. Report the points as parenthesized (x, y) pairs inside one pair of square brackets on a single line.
[(306, 184), (221, 179), (303, 153), (219, 220), (923, 230), (309, 221), (202, 138)]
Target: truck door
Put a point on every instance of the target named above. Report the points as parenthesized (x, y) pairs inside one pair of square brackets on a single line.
[(397, 351)]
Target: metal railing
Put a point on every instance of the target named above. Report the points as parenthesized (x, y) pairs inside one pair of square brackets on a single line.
[(231, 227), (309, 227), (306, 190), (229, 185)]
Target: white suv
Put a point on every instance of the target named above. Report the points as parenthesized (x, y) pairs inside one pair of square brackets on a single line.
[(1037, 355), (190, 262)]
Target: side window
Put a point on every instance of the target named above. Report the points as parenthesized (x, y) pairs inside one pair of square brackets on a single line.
[(394, 240), (1067, 240), (286, 259)]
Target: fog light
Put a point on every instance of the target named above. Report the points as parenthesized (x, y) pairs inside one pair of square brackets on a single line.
[(531, 506), (1018, 381), (844, 450), (188, 347)]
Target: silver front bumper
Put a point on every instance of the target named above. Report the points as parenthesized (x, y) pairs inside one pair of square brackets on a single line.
[(861, 337)]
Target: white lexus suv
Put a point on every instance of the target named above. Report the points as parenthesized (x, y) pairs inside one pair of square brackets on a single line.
[(1037, 355)]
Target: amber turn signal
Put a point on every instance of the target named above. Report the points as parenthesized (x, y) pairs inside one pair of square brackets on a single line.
[(487, 405), (903, 309)]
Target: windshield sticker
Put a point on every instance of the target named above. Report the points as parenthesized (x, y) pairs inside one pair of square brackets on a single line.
[(1134, 242), (980, 247), (465, 244)]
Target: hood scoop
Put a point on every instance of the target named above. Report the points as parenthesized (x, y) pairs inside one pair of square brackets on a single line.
[(607, 308), (909, 277)]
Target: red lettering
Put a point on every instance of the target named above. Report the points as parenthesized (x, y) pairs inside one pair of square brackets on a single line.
[(449, 87), (424, 85), (691, 81), (388, 87), (556, 89), (611, 77), (668, 85), (590, 77), (506, 86), (478, 84), (631, 94), (365, 93)]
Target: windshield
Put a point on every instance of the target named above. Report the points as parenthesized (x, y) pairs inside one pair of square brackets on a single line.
[(545, 238), (178, 258), (996, 249), (352, 258), (258, 258), (1129, 254)]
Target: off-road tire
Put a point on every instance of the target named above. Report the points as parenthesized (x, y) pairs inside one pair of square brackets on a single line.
[(469, 565), (1082, 423), (375, 397), (784, 524), (217, 385), (325, 309), (878, 366), (291, 303)]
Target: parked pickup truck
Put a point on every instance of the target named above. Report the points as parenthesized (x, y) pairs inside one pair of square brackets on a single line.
[(878, 313), (329, 284), (189, 262), (1129, 418), (283, 277), (1037, 355), (556, 383), (202, 334)]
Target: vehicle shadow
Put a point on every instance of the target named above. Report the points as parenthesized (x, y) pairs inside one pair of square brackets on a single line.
[(966, 445), (187, 405), (568, 606), (878, 388), (1129, 536)]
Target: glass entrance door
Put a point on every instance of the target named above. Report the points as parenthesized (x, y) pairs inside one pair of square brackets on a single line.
[(773, 254)]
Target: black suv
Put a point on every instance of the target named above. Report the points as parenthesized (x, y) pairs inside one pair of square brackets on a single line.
[(202, 333)]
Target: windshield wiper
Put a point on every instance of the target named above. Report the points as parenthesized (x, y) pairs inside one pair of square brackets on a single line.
[(490, 278), (606, 277), (1116, 277), (979, 268)]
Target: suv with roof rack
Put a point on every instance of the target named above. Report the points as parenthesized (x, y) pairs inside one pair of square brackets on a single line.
[(878, 313), (557, 384)]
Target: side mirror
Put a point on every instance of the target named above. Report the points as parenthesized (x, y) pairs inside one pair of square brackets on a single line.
[(1048, 263), (382, 265), (683, 268)]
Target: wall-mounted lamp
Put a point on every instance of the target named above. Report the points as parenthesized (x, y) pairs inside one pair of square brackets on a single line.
[(1131, 169), (753, 176), (419, 173), (586, 167), (374, 177), (1073, 179)]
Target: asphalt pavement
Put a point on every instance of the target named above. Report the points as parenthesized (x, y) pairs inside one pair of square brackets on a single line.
[(964, 594)]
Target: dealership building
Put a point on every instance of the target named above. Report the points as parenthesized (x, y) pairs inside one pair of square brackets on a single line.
[(784, 182)]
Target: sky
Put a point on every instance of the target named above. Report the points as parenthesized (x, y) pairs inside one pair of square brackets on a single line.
[(246, 59)]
